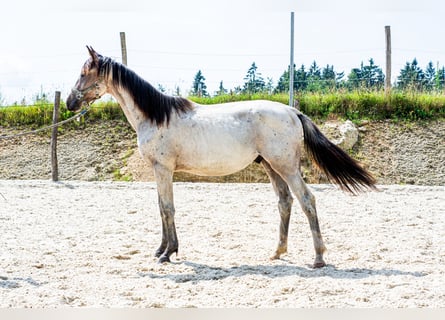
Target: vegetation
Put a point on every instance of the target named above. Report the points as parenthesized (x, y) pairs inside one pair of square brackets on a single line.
[(199, 87), (354, 105), (320, 92), (37, 115)]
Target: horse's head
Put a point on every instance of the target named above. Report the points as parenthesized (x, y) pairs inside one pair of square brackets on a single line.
[(90, 86)]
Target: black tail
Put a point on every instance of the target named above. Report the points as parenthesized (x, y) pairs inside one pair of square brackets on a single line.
[(338, 166)]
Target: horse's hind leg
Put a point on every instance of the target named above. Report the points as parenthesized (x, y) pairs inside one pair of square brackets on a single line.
[(307, 202), (284, 207)]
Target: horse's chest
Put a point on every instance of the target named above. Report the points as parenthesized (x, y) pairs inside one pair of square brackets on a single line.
[(152, 144)]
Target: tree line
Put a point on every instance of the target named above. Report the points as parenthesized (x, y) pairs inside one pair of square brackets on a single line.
[(325, 79)]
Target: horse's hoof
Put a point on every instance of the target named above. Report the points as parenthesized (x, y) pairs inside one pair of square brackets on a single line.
[(159, 253), (278, 253), (275, 257), (164, 259), (319, 264)]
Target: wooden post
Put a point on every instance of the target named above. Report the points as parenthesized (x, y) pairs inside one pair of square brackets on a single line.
[(388, 60), (54, 164), (124, 48)]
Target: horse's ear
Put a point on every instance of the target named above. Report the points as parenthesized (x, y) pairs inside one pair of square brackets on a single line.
[(94, 55)]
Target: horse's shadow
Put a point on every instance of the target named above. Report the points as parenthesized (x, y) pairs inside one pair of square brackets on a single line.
[(6, 283), (202, 272)]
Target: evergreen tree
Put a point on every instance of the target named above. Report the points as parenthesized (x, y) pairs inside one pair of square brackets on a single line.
[(314, 71), (372, 75), (254, 81), (199, 87), (440, 79), (430, 77), (269, 86), (314, 77), (329, 77), (300, 79), (411, 76), (283, 83), (221, 90), (354, 79), (369, 77)]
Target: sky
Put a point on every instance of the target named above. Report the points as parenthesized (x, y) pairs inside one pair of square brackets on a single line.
[(42, 45)]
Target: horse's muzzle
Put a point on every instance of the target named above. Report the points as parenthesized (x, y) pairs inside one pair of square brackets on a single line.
[(73, 103)]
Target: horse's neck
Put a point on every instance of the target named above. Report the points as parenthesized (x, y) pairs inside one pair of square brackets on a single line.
[(129, 107)]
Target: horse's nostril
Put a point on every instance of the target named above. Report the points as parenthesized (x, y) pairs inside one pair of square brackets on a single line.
[(72, 103)]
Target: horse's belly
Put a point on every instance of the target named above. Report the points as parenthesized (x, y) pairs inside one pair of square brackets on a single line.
[(208, 157)]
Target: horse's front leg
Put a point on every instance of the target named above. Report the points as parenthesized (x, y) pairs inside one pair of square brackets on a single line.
[(169, 244), (164, 241)]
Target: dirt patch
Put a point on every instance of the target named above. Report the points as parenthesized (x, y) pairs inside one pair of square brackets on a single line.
[(91, 244), (396, 153)]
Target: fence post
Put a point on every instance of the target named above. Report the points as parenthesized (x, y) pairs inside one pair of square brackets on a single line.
[(388, 59), (54, 164), (291, 64), (123, 48)]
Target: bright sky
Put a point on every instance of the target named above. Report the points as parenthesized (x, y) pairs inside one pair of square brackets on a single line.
[(43, 42)]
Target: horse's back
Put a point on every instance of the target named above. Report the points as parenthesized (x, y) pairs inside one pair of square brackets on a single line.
[(241, 106)]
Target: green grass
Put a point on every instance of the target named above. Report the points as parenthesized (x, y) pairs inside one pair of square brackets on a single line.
[(355, 105), (281, 97), (374, 105), (41, 114)]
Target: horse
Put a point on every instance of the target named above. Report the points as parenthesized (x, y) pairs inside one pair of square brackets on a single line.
[(176, 134)]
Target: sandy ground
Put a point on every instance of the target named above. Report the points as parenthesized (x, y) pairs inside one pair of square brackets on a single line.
[(92, 244)]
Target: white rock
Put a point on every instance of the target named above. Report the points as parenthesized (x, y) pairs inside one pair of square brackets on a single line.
[(349, 135)]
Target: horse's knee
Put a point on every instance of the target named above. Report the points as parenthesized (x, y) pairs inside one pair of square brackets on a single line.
[(308, 203), (285, 204), (285, 197)]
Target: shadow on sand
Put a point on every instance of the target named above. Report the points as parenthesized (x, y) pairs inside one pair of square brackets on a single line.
[(202, 272)]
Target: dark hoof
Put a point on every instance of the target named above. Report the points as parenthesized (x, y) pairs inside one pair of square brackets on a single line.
[(164, 259), (318, 265), (159, 252)]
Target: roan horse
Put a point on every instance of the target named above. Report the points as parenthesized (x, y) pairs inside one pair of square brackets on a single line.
[(175, 134)]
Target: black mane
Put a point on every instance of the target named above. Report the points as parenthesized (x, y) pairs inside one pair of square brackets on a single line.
[(155, 105)]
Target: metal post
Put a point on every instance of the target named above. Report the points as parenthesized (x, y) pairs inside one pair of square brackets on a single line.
[(291, 66), (388, 59), (54, 164)]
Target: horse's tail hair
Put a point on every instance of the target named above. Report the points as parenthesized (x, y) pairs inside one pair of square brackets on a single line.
[(338, 166)]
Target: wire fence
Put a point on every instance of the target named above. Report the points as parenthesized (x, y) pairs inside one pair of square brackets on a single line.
[(30, 94)]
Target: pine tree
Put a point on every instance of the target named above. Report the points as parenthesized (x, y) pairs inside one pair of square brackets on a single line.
[(283, 83), (329, 77), (430, 77), (269, 85), (300, 79), (221, 90), (354, 79), (411, 76), (314, 77), (369, 77), (199, 87), (440, 79), (254, 81)]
